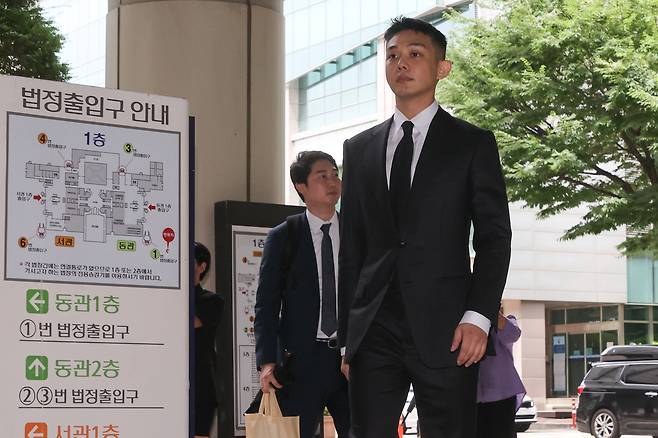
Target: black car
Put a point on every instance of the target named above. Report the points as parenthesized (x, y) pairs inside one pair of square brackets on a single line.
[(619, 396)]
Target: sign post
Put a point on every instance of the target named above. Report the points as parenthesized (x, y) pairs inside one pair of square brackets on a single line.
[(94, 262)]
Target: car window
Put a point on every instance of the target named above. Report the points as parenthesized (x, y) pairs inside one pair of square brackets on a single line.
[(604, 373), (641, 374)]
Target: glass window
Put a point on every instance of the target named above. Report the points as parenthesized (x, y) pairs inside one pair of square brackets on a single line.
[(332, 85), (640, 279), (387, 10), (368, 71), (576, 349), (315, 122), (334, 19), (332, 117), (350, 112), (655, 334), (610, 313), (369, 12), (315, 92), (641, 374), (583, 314), (350, 97), (351, 16), (609, 338), (636, 313), (367, 93), (604, 373), (316, 25), (557, 316), (332, 103), (315, 107), (655, 313), (636, 333), (300, 32), (366, 108), (592, 346)]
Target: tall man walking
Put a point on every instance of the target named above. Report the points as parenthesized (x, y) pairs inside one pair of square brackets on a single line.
[(410, 309)]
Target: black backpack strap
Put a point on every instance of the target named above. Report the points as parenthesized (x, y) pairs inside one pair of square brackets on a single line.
[(294, 226)]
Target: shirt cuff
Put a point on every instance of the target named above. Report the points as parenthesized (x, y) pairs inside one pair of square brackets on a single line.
[(342, 351), (477, 319)]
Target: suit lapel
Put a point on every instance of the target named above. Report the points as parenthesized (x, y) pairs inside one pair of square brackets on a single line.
[(377, 155), (430, 154), (306, 244)]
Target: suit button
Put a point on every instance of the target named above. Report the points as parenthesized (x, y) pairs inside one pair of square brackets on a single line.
[(402, 243)]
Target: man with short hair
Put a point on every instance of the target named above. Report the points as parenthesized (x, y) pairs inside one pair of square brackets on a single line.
[(411, 310), (296, 309)]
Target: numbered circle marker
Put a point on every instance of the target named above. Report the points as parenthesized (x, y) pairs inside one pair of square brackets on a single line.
[(128, 148), (22, 242), (42, 138)]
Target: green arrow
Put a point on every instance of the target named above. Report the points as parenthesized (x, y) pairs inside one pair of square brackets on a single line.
[(36, 301), (36, 368)]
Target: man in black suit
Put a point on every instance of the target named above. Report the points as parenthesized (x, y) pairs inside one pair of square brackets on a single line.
[(296, 305), (410, 309)]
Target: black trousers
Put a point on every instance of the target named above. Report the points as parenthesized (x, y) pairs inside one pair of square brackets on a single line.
[(496, 419), (386, 363), (317, 383)]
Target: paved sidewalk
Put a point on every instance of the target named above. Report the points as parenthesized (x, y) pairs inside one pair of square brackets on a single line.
[(552, 423)]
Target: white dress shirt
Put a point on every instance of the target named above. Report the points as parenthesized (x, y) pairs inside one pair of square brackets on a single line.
[(315, 223), (421, 123)]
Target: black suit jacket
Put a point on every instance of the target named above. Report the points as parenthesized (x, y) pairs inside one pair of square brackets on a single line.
[(287, 303), (458, 181)]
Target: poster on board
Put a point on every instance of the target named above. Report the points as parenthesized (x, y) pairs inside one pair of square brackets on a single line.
[(95, 262), (248, 244)]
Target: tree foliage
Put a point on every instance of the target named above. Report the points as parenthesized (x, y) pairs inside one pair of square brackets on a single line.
[(570, 88), (29, 43)]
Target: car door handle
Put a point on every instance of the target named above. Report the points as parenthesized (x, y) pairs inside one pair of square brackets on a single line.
[(651, 394)]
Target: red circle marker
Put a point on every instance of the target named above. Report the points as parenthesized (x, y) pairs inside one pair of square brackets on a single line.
[(168, 235)]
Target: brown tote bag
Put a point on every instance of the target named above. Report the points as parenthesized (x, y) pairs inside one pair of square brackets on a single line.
[(269, 422)]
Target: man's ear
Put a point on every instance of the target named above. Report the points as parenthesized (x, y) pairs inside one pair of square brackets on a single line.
[(301, 188), (443, 69)]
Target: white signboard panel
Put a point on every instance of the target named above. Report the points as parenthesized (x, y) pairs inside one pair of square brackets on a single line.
[(94, 262), (248, 244)]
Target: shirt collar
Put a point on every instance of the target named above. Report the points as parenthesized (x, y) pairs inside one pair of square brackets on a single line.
[(315, 222), (421, 121)]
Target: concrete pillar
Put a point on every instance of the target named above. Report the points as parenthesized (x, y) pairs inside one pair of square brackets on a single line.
[(227, 59), (530, 351)]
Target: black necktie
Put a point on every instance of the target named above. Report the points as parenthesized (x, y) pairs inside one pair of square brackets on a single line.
[(329, 322), (400, 183)]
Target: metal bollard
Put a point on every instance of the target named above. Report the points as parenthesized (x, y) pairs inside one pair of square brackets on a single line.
[(573, 413)]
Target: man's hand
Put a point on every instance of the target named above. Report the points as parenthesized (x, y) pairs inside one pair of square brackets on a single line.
[(267, 380), (197, 322), (472, 343), (345, 368)]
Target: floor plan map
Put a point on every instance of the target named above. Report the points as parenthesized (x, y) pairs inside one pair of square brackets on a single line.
[(79, 191)]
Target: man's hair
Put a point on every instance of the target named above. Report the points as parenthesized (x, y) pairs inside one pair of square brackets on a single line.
[(300, 169), (400, 24), (202, 255)]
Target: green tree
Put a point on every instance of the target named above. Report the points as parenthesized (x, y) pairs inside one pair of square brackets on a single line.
[(29, 43), (570, 87)]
